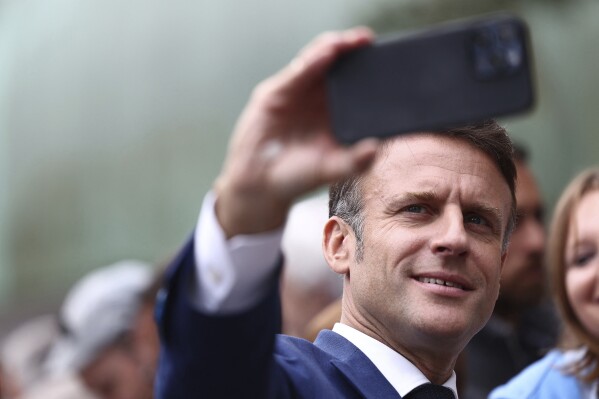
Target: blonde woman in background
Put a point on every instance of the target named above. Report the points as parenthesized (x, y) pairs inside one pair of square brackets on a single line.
[(572, 370)]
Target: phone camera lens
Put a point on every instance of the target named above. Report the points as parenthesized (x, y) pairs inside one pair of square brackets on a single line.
[(497, 51)]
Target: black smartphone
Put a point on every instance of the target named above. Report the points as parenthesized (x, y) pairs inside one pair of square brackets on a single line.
[(445, 76)]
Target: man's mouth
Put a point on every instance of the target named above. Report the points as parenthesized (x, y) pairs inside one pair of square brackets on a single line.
[(437, 281)]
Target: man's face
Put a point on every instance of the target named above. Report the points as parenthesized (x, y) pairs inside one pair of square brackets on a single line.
[(435, 213), (116, 374), (522, 278)]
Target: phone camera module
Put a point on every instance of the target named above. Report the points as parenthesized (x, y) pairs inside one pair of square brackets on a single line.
[(497, 52)]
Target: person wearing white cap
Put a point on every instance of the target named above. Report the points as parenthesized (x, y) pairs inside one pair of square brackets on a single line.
[(308, 284), (97, 318)]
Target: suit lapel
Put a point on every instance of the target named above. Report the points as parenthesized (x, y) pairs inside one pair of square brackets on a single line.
[(355, 366)]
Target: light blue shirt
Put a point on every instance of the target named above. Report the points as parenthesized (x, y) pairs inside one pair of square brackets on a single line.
[(547, 379)]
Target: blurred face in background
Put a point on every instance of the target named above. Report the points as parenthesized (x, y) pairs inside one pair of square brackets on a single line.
[(523, 275), (9, 387), (116, 374), (126, 370), (582, 262)]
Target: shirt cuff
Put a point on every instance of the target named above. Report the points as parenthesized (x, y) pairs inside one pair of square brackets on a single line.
[(231, 275)]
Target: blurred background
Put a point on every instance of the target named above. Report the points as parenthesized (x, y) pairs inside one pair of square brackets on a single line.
[(114, 115)]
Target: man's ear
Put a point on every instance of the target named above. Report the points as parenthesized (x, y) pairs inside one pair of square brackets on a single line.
[(338, 244)]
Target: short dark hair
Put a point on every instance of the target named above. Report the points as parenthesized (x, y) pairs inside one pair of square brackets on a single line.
[(345, 197)]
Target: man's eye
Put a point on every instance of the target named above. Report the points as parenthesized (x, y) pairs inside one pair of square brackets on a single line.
[(475, 219), (414, 209)]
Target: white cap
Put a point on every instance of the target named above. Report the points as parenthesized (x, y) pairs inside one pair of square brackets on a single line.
[(96, 312)]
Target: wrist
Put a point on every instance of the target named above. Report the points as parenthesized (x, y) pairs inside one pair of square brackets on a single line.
[(241, 211)]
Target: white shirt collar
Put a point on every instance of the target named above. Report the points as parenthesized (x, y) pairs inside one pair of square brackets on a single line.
[(398, 370)]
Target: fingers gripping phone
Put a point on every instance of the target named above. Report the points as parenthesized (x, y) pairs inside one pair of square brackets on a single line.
[(449, 75)]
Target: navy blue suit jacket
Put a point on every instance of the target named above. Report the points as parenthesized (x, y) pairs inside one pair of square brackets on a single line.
[(242, 356)]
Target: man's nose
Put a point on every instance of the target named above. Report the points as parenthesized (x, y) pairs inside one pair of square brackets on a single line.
[(450, 237)]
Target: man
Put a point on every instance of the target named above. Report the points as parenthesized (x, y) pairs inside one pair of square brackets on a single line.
[(420, 238), (104, 330), (523, 324)]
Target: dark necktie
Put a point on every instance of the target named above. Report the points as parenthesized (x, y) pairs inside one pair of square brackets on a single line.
[(430, 391)]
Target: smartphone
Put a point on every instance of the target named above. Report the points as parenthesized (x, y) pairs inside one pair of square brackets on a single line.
[(445, 76)]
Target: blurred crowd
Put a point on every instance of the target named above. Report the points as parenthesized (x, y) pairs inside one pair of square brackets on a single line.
[(102, 343)]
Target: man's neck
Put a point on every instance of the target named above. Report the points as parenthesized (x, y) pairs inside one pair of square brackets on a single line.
[(423, 357), (401, 373)]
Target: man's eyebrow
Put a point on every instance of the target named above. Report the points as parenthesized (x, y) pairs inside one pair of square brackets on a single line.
[(416, 196), (422, 196)]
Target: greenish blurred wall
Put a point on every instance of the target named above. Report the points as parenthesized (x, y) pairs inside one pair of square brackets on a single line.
[(114, 115), (5, 264), (114, 118)]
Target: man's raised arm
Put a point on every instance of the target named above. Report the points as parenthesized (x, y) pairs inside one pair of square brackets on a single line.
[(281, 149)]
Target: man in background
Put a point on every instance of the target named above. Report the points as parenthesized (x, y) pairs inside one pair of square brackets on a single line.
[(108, 338)]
